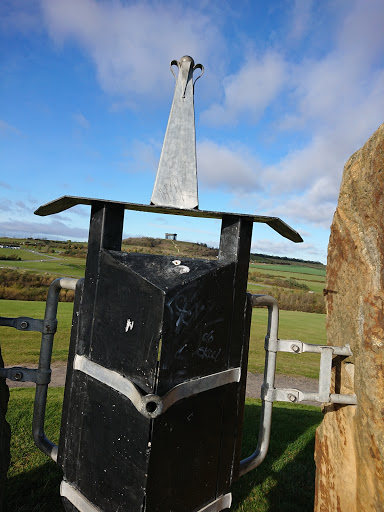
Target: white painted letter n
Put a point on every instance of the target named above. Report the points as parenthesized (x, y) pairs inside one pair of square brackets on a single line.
[(129, 325)]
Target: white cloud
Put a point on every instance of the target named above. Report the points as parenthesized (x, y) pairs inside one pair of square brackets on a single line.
[(132, 44), (300, 19), (302, 251), (52, 228), (19, 207), (339, 103), (330, 100), (140, 156), (8, 129), (20, 15), (81, 120), (250, 91), (233, 169)]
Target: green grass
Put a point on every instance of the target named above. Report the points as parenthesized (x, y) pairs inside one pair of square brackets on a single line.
[(71, 267), (284, 482), (300, 269), (314, 278), (24, 347), (314, 286), (20, 347), (33, 479), (287, 274), (21, 253), (306, 327)]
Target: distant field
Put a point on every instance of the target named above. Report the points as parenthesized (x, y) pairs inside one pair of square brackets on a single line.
[(300, 276), (67, 267), (20, 253), (314, 286), (314, 281), (301, 269), (24, 347)]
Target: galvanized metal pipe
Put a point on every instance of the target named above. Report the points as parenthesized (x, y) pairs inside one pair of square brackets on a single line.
[(271, 338), (41, 440)]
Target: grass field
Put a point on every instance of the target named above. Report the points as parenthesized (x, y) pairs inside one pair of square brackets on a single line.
[(23, 347), (285, 480), (306, 327), (20, 347), (300, 269), (313, 285), (21, 253), (66, 267), (283, 483)]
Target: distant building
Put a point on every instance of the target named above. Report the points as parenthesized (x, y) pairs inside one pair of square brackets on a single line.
[(170, 236)]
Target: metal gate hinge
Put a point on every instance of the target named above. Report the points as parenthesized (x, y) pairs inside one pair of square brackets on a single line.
[(271, 394), (23, 323), (151, 405), (21, 374)]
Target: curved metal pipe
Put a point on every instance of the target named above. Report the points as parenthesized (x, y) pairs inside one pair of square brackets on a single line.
[(271, 338), (50, 323)]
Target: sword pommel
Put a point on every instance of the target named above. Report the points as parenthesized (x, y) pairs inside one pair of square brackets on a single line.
[(186, 67)]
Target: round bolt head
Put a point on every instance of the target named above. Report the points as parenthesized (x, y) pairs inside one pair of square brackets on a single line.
[(18, 376), (24, 324)]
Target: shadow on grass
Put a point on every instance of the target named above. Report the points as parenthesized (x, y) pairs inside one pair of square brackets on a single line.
[(37, 490), (285, 481)]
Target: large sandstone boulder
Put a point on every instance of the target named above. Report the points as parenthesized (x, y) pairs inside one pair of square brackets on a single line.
[(349, 449), (5, 435)]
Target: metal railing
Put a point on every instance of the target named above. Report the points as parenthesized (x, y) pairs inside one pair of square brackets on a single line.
[(42, 375), (269, 393)]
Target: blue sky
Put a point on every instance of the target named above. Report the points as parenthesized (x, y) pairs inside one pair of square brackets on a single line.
[(291, 89)]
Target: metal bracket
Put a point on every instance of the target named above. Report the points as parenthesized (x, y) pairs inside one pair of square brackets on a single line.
[(25, 323), (150, 405), (41, 376), (326, 352), (269, 393), (21, 374)]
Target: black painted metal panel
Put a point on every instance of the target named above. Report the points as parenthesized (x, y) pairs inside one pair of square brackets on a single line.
[(184, 462), (159, 322), (235, 243)]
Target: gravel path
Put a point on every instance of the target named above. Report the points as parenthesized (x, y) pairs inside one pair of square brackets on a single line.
[(254, 382)]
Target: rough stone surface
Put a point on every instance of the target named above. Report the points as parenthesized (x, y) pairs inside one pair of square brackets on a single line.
[(5, 436), (349, 450)]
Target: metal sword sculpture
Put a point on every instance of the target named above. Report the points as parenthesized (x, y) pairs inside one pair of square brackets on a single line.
[(154, 396)]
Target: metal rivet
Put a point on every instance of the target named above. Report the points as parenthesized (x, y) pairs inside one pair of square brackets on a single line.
[(295, 348), (18, 376), (291, 397), (24, 324)]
